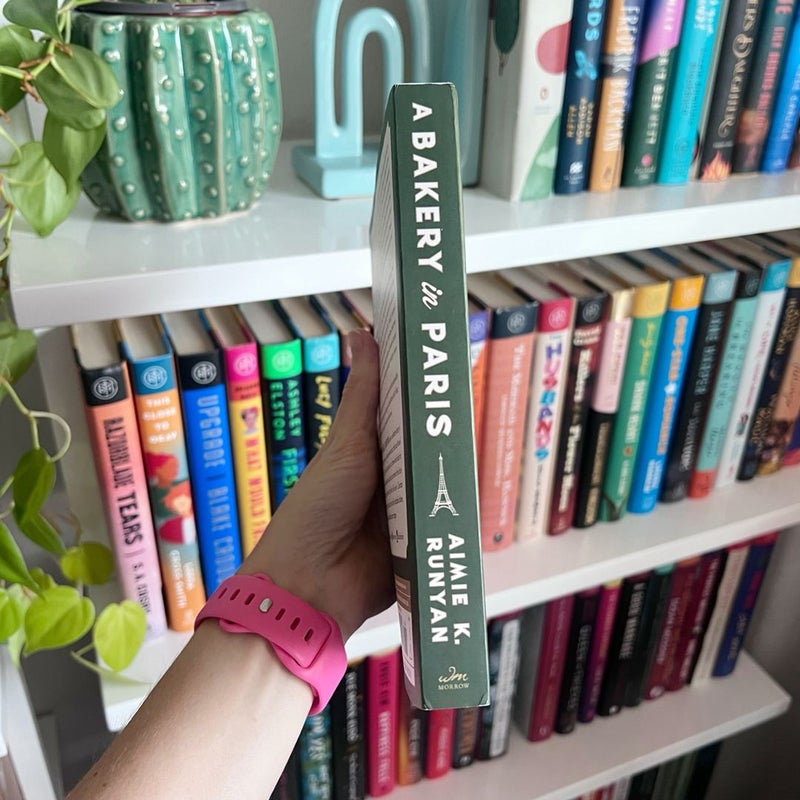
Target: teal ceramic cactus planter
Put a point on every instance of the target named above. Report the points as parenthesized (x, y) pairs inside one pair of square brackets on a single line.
[(197, 129)]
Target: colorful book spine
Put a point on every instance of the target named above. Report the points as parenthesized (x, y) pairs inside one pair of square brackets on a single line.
[(439, 752), (672, 356), (712, 636), (504, 658), (580, 96), (755, 114), (743, 604), (545, 403), (733, 69), (617, 74), (776, 369), (685, 101), (584, 616), (465, 736), (208, 445), (598, 654), (695, 620), (158, 407), (410, 740), (701, 373), (786, 110), (649, 305), (737, 339), (524, 97), (115, 443), (530, 652), (478, 336), (660, 38), (765, 326), (382, 686), (587, 336), (347, 735), (316, 773)]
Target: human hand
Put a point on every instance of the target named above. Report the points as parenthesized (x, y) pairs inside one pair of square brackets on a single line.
[(328, 542)]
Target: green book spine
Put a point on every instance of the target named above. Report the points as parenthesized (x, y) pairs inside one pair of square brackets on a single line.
[(426, 423)]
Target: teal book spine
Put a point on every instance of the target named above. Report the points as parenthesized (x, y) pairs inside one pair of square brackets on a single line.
[(316, 767)]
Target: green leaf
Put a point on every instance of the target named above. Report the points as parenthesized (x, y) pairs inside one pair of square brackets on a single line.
[(34, 479), (57, 617), (67, 103), (119, 633), (89, 562), (17, 639), (42, 579), (11, 615), (40, 531), (88, 75), (12, 564), (38, 15), (17, 354), (70, 150), (38, 191), (16, 46)]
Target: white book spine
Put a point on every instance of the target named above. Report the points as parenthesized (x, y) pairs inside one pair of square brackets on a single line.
[(765, 327), (621, 788), (506, 685), (734, 566)]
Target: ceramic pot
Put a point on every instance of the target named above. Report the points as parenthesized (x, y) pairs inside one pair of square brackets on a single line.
[(197, 129)]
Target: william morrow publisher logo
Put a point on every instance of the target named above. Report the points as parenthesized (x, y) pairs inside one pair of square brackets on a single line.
[(105, 388), (453, 679), (204, 372), (154, 377)]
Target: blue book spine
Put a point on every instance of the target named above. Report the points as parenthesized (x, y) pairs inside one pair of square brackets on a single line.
[(787, 109), (674, 348), (743, 604), (580, 94), (687, 90), (316, 768), (208, 442)]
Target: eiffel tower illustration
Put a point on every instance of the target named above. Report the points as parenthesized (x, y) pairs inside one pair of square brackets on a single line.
[(442, 497)]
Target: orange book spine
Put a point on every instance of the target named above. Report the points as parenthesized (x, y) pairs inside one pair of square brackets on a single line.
[(478, 333)]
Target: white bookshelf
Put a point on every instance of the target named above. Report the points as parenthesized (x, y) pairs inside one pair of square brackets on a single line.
[(292, 243)]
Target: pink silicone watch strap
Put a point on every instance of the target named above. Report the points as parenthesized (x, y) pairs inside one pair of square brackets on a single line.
[(306, 641)]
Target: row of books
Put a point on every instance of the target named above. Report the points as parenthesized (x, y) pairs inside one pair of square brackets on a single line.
[(551, 667), (642, 91)]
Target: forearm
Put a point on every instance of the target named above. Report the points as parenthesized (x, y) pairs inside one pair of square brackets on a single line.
[(220, 724)]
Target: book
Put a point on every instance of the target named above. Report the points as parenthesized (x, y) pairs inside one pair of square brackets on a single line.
[(605, 396), (281, 359), (755, 114), (382, 693), (344, 321), (587, 335), (532, 628), (735, 60), (478, 338), (701, 371), (440, 734), (643, 784), (116, 446), (666, 384), (765, 327), (201, 379), (685, 99), (667, 777), (321, 378), (792, 454), (425, 412), (715, 629), (761, 429), (623, 644), (584, 616), (410, 740), (246, 420), (617, 74), (160, 419), (348, 726), (737, 339), (359, 301), (678, 602), (288, 785), (580, 96), (703, 770), (524, 95), (786, 110), (598, 653), (504, 657), (509, 354), (744, 602), (683, 775), (465, 735), (649, 306), (661, 35), (551, 356), (316, 773)]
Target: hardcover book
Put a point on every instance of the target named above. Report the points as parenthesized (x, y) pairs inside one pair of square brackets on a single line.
[(115, 443), (439, 751), (359, 301), (336, 309), (348, 726), (246, 419), (316, 773), (383, 692), (158, 410), (425, 414), (530, 652), (410, 740), (208, 443), (465, 736)]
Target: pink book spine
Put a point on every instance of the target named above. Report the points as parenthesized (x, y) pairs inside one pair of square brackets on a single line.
[(382, 679), (611, 367), (440, 743), (551, 667), (601, 641)]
